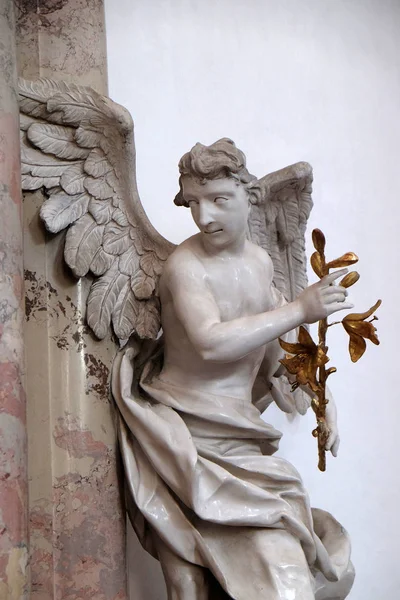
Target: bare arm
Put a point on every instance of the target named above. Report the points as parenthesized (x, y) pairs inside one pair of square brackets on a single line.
[(229, 341)]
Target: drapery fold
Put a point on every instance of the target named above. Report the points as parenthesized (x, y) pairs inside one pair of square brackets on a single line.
[(202, 475)]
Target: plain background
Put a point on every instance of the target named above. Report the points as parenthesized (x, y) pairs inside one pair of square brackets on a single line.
[(316, 80)]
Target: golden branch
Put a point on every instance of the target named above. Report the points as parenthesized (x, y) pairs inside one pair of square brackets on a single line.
[(306, 359)]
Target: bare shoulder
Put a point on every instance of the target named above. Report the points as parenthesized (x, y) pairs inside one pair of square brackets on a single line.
[(183, 263), (261, 256)]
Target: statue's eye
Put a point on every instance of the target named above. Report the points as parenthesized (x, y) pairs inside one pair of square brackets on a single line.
[(219, 200)]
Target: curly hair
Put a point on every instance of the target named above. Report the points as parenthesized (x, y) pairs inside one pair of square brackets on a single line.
[(221, 159)]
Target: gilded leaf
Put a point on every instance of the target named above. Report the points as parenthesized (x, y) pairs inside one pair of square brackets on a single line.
[(357, 347), (292, 348), (363, 328), (318, 264), (305, 337), (362, 316), (307, 359), (350, 279), (344, 261), (318, 239), (359, 330)]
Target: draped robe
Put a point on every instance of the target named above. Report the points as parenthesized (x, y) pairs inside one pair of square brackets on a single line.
[(202, 474)]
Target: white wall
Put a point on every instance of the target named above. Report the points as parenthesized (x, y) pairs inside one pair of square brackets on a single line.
[(316, 80)]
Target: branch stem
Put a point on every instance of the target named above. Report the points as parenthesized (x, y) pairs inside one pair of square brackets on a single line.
[(334, 323)]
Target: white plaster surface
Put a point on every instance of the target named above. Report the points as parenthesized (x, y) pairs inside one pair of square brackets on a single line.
[(316, 81)]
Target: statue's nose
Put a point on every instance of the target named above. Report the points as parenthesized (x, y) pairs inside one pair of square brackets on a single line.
[(205, 216)]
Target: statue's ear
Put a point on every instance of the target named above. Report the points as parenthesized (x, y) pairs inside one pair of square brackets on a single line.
[(255, 194)]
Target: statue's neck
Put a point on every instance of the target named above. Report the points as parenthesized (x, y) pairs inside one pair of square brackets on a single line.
[(234, 249)]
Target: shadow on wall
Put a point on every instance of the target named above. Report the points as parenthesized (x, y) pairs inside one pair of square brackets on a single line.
[(145, 576)]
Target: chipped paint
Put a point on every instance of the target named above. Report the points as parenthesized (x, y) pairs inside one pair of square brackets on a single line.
[(98, 377)]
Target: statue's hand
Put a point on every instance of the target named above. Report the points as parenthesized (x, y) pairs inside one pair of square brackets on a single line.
[(333, 442), (322, 299)]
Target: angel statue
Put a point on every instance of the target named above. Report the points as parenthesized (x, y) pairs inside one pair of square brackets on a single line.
[(199, 324)]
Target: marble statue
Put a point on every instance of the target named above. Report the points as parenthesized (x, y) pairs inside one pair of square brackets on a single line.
[(199, 326)]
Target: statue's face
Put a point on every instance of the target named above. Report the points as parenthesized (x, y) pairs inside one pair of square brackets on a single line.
[(220, 209)]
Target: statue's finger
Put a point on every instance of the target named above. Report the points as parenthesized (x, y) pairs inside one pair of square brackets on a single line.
[(340, 306), (332, 276), (328, 443), (335, 446), (334, 289), (331, 298)]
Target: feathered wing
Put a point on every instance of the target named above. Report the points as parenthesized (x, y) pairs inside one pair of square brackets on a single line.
[(279, 222), (79, 146), (278, 225)]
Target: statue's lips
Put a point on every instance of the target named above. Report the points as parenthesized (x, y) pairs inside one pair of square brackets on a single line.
[(215, 231)]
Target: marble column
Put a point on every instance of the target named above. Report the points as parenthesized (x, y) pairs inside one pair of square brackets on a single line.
[(77, 523), (13, 471)]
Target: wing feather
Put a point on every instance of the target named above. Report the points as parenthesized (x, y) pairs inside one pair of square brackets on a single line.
[(102, 299), (83, 240), (79, 146), (116, 239), (61, 210), (57, 140), (101, 211), (101, 262), (125, 313), (278, 224), (72, 180)]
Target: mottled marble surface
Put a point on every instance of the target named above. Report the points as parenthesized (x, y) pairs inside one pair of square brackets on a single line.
[(70, 38), (77, 524), (77, 533), (13, 473)]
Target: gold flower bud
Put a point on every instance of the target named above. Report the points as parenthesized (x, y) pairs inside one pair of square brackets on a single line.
[(350, 279), (318, 239), (318, 264)]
